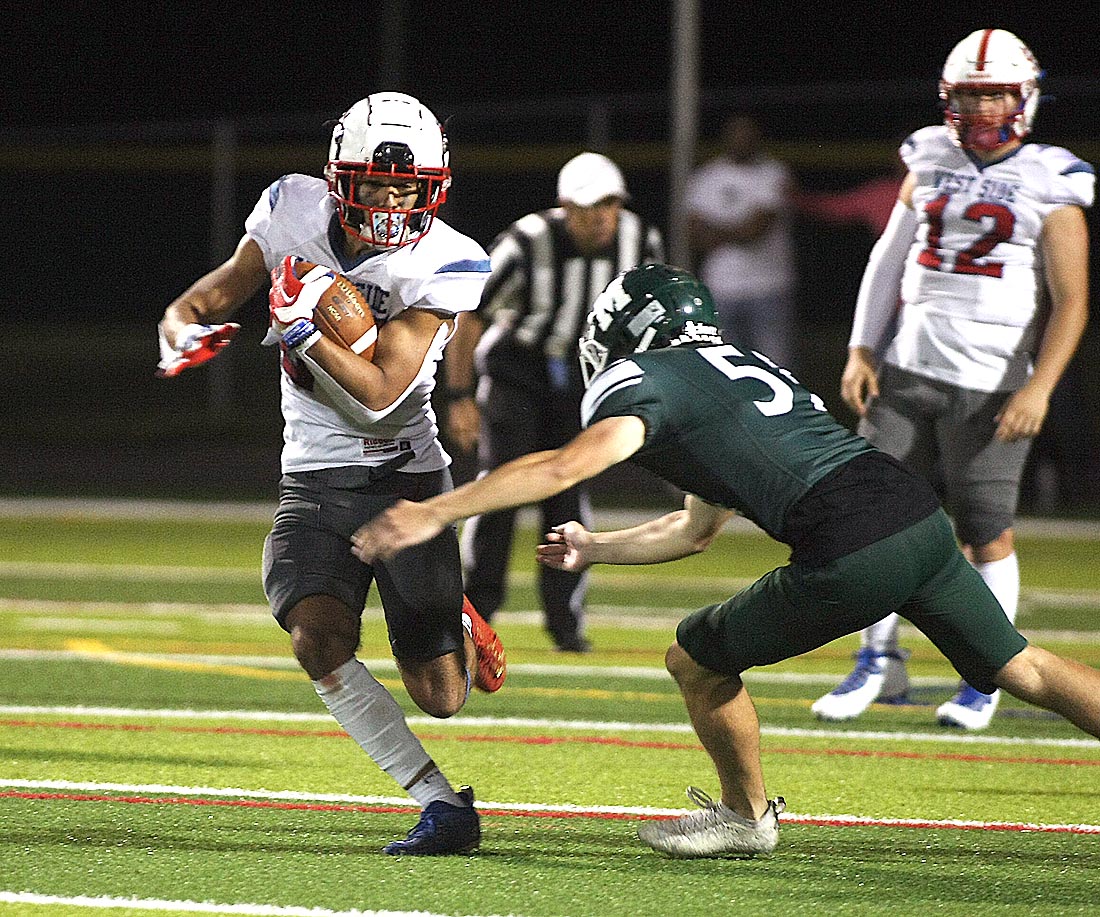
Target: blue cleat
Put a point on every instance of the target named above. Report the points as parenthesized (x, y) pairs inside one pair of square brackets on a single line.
[(443, 828), (969, 709), (877, 677)]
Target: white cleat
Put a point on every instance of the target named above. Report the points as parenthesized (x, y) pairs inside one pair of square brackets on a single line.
[(876, 677), (969, 709), (714, 831)]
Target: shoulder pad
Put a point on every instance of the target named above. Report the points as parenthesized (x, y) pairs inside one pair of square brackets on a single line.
[(1064, 178)]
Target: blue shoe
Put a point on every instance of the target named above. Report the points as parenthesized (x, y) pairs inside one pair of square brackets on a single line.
[(969, 709), (876, 677), (443, 828)]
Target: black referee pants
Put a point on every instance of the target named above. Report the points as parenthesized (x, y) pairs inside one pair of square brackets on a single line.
[(516, 421)]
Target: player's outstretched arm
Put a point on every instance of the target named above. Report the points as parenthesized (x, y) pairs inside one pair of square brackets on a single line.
[(528, 479), (669, 537), (565, 547), (194, 328)]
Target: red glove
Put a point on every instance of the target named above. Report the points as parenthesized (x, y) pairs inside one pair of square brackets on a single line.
[(195, 344)]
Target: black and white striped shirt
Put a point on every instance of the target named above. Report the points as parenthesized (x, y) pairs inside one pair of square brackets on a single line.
[(541, 288)]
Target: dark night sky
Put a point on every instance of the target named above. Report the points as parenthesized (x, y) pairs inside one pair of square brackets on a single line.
[(146, 62)]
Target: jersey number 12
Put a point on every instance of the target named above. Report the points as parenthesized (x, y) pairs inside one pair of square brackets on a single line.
[(1001, 223)]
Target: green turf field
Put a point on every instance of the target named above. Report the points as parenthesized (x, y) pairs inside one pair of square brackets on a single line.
[(160, 752)]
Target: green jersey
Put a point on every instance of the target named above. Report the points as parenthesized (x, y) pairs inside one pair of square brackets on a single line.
[(731, 428)]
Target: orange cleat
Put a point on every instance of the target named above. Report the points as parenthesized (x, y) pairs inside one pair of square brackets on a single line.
[(491, 664)]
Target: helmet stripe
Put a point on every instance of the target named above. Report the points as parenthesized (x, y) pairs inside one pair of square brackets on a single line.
[(983, 48)]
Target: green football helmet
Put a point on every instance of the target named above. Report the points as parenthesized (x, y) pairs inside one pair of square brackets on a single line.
[(646, 308)]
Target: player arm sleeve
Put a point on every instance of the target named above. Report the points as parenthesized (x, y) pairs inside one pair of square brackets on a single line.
[(877, 300)]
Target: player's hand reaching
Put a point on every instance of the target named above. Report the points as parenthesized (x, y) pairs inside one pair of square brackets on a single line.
[(1023, 414), (195, 345), (565, 548), (859, 381), (401, 526)]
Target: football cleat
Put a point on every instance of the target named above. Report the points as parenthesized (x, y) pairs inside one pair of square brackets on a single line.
[(443, 828), (574, 644), (968, 709), (876, 677), (714, 831), (492, 666)]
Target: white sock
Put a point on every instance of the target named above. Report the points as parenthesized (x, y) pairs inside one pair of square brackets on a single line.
[(432, 786), (371, 716), (1003, 579), (882, 636)]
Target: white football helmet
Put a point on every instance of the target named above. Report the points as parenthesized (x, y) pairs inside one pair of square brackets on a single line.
[(990, 59), (388, 134)]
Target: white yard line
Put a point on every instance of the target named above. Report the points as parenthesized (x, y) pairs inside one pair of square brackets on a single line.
[(133, 617), (295, 796), (139, 573), (641, 616), (193, 907), (600, 727)]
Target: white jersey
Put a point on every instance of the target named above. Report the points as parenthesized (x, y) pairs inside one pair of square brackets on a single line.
[(725, 193), (444, 271), (973, 280)]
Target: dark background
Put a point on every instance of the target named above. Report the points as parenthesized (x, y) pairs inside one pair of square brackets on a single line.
[(125, 61), (137, 140)]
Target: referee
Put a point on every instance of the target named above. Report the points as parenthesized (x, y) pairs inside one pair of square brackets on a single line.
[(512, 372)]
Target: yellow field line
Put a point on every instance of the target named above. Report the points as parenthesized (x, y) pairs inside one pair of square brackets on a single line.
[(96, 649)]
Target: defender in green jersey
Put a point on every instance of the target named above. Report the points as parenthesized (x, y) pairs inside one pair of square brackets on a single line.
[(739, 435)]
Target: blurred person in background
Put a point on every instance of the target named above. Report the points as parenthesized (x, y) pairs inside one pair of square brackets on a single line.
[(987, 253), (513, 378), (359, 434), (739, 210)]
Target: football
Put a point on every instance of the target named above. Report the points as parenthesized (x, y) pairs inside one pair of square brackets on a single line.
[(342, 315)]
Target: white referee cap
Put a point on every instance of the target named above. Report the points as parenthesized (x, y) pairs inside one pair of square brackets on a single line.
[(589, 178)]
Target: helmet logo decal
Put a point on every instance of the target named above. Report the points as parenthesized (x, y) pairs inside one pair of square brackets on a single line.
[(609, 303), (646, 317)]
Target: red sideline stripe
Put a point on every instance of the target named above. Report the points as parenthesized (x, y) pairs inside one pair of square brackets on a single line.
[(939, 825), (808, 820), (554, 740), (296, 806)]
